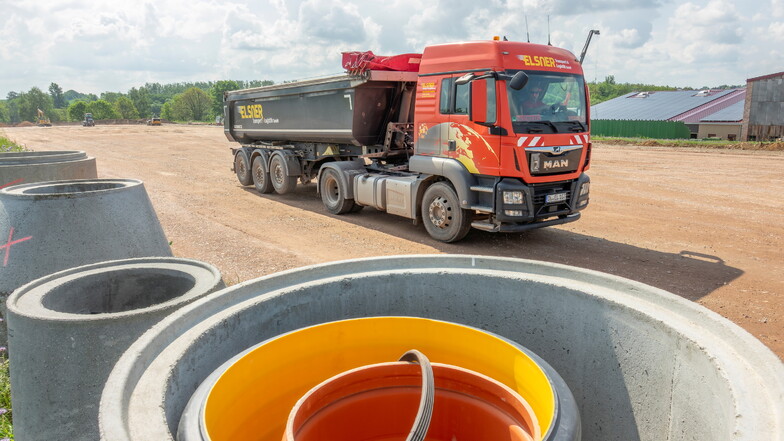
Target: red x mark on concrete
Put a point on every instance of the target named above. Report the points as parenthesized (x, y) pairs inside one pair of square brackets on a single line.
[(11, 183), (10, 242)]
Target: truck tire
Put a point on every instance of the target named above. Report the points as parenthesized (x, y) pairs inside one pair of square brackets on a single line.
[(279, 175), (332, 195), (242, 168), (260, 176), (441, 213)]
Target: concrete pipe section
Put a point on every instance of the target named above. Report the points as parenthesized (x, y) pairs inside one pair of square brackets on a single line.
[(68, 329), (50, 226), (642, 363), (270, 377), (29, 167)]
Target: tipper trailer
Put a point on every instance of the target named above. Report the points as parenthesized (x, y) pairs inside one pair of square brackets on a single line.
[(456, 138)]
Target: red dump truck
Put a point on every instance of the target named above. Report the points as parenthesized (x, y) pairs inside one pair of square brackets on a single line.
[(492, 135)]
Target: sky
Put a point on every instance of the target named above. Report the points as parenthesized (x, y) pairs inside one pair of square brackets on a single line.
[(108, 45)]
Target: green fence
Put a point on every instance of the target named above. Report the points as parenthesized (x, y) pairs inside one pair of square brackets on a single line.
[(640, 129)]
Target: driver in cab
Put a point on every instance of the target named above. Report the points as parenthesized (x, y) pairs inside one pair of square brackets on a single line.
[(532, 103)]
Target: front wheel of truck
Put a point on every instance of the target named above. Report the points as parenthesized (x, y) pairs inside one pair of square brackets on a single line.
[(441, 213), (261, 177), (332, 195)]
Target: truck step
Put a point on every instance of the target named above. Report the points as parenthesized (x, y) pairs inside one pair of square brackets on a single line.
[(481, 189), (482, 208), (485, 226)]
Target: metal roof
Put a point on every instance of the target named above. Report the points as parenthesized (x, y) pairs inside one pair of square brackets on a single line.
[(656, 106), (732, 113)]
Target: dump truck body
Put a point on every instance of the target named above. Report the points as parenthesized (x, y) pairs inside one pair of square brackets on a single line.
[(451, 145)]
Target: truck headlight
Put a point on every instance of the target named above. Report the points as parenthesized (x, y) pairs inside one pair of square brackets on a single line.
[(513, 197), (513, 212), (585, 188)]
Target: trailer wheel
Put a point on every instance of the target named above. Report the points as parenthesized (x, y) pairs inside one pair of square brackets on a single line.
[(281, 181), (260, 176), (332, 195), (242, 168), (441, 213)]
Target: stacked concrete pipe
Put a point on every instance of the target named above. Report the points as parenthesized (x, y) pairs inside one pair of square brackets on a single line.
[(51, 226), (643, 364), (30, 167), (68, 329)]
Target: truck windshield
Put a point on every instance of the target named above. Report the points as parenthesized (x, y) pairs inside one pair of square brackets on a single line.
[(549, 103)]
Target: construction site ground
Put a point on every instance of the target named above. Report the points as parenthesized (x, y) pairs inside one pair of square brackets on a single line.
[(704, 224)]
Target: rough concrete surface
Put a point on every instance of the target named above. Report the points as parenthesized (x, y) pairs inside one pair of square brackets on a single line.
[(705, 224), (51, 226), (66, 331), (29, 167)]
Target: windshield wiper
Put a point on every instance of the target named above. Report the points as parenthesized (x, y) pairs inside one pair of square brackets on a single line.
[(579, 123), (545, 122)]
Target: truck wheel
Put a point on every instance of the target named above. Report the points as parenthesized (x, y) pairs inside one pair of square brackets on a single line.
[(332, 195), (441, 213), (242, 168), (281, 181), (261, 177)]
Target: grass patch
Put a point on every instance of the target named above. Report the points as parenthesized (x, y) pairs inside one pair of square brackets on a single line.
[(697, 143), (6, 145), (6, 419)]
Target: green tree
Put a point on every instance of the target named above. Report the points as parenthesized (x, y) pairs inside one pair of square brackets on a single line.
[(125, 109), (13, 110), (5, 116), (12, 96), (216, 93), (57, 96), (101, 109), (166, 111), (31, 102), (191, 105), (141, 100), (111, 97), (76, 110)]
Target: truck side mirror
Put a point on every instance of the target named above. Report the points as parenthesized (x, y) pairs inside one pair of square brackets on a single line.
[(519, 80), (483, 108)]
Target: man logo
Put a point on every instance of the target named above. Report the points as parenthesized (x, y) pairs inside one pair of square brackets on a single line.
[(557, 149)]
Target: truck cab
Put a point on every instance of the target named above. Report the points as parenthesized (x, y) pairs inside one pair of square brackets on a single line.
[(507, 124)]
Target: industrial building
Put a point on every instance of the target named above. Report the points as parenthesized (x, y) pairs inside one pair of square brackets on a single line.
[(672, 114), (763, 113)]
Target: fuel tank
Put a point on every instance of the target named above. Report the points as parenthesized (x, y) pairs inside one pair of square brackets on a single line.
[(346, 109)]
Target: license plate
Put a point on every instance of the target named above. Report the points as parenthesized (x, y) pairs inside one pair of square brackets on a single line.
[(555, 197)]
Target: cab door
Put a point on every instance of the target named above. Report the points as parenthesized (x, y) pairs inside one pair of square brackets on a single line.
[(470, 143)]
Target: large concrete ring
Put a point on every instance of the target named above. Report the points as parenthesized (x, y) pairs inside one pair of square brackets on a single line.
[(46, 227), (30, 167), (643, 364), (68, 329)]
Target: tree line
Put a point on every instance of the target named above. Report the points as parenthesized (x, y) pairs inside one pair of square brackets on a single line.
[(199, 101)]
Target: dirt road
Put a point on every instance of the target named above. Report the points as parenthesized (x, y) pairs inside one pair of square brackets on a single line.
[(707, 225)]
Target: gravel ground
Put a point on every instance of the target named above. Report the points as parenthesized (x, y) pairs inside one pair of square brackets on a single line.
[(707, 225)]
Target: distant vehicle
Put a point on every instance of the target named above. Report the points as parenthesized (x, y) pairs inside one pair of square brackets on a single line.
[(42, 120), (154, 121), (88, 120)]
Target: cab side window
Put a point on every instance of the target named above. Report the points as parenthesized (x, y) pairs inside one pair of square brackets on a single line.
[(454, 99)]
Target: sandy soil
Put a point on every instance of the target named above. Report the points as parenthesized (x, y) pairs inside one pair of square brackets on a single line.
[(707, 225)]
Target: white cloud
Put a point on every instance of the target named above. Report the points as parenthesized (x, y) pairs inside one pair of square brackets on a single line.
[(104, 45), (777, 8)]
